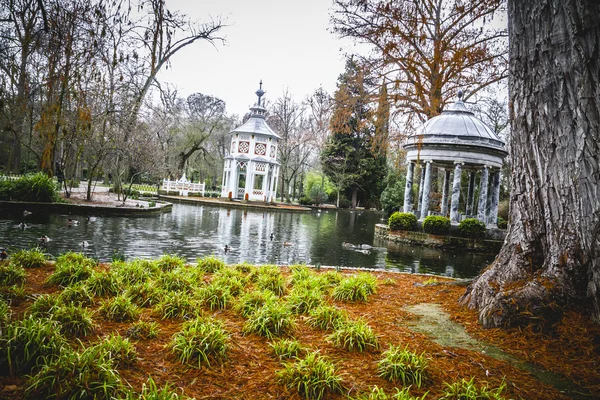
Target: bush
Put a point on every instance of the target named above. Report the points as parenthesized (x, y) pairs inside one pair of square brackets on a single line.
[(326, 317), (314, 377), (75, 321), (77, 294), (471, 228), (75, 375), (71, 268), (301, 300), (354, 335), (102, 283), (33, 258), (272, 319), (43, 306), (252, 301), (402, 364), (33, 187), (305, 201), (216, 296), (119, 309), (177, 305), (401, 221), (145, 294), (355, 288), (201, 340), (436, 225)]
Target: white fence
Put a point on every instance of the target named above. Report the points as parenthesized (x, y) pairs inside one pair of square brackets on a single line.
[(183, 187)]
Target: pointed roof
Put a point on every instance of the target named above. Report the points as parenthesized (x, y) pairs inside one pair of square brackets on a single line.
[(256, 124)]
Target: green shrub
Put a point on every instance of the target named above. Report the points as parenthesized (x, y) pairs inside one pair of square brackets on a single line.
[(401, 221), (151, 204), (252, 301), (33, 258), (118, 349), (305, 201), (326, 317), (145, 294), (436, 225), (177, 305), (354, 335), (202, 341), (210, 264), (12, 274), (136, 271), (26, 341), (119, 309), (75, 375), (401, 364), (215, 296), (270, 278), (314, 377), (471, 228), (37, 187), (235, 284), (174, 281), (75, 321), (272, 319), (467, 390), (356, 288), (168, 262), (143, 330), (286, 348)]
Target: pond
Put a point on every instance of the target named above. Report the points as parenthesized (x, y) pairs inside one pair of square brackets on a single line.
[(193, 231)]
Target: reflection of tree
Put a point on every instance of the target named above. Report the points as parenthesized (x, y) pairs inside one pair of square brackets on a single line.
[(340, 174)]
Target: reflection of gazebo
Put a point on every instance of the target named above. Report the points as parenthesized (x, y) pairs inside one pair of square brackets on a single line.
[(456, 140), (251, 168)]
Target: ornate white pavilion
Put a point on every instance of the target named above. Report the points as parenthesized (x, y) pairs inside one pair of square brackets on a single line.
[(456, 141), (251, 168)]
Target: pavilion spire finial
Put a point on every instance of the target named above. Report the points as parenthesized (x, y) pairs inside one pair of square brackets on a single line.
[(460, 95), (260, 92)]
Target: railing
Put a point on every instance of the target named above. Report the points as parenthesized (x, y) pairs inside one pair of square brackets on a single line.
[(258, 192), (241, 191), (183, 187)]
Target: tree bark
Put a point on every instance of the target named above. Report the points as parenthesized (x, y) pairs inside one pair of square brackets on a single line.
[(550, 258)]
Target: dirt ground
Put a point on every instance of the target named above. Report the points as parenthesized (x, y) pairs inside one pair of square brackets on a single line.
[(572, 349)]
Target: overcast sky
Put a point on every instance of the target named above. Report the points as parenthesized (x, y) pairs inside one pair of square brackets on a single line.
[(286, 43)]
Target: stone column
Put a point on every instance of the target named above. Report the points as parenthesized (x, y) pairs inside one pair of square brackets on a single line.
[(471, 194), (493, 215), (455, 193), (275, 181), (420, 199), (410, 170), (426, 190), (249, 180), (483, 192), (445, 192)]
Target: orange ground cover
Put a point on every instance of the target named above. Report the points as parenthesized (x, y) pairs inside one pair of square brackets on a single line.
[(249, 372)]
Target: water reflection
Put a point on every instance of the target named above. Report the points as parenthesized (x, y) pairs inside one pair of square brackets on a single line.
[(196, 231)]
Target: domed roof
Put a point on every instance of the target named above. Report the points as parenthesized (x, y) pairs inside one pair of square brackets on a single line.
[(456, 135), (256, 124)]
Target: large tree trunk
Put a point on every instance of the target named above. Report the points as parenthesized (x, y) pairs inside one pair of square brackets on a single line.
[(550, 258)]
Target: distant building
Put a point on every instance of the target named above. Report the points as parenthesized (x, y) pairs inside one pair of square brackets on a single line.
[(251, 168)]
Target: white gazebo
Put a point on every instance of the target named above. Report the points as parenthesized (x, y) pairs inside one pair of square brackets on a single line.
[(251, 168), (456, 141)]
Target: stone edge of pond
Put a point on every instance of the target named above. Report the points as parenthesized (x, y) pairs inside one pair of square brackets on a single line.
[(86, 209), (211, 201)]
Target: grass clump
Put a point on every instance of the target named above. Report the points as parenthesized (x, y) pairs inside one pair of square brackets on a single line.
[(356, 288), (75, 375), (252, 301), (177, 305), (103, 283), (118, 349), (300, 273), (5, 315), (32, 258), (271, 278), (43, 306), (272, 319), (12, 274), (235, 283), (150, 391), (119, 309), (210, 264), (135, 272), (77, 294), (468, 390), (70, 269), (200, 342), (301, 300), (401, 364), (174, 281), (354, 336), (378, 393), (145, 294), (326, 317), (286, 348), (75, 321), (314, 377), (215, 296), (168, 262), (143, 330), (25, 341)]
